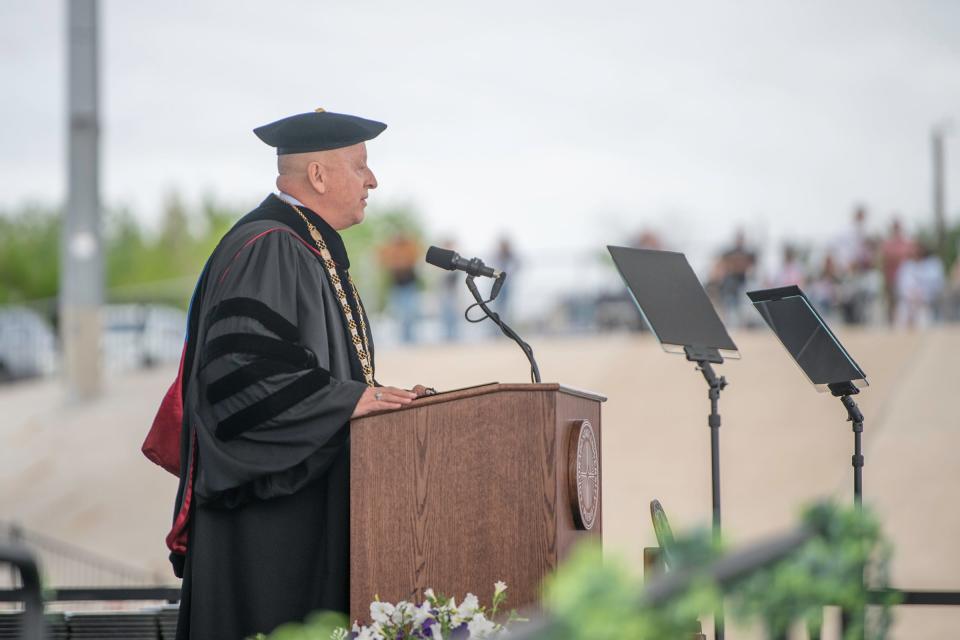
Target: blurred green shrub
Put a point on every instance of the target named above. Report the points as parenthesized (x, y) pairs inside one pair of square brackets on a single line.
[(162, 265), (594, 597)]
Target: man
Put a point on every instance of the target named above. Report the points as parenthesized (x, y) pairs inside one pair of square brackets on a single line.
[(278, 359)]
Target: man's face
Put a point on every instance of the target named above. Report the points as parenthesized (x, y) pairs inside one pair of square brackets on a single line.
[(348, 181)]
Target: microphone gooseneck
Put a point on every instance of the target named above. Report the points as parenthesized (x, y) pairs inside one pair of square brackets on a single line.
[(451, 261), (504, 327)]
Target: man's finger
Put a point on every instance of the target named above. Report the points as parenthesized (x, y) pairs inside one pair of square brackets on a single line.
[(399, 392), (395, 397)]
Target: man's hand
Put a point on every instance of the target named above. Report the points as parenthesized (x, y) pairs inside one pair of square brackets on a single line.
[(422, 391), (382, 399)]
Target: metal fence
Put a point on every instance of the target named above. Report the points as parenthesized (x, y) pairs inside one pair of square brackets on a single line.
[(64, 565)]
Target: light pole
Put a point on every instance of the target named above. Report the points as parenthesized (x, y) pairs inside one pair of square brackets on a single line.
[(939, 158), (81, 263)]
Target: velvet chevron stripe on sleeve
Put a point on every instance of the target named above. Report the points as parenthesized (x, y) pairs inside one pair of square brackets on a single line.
[(257, 310), (272, 405), (257, 345), (247, 375)]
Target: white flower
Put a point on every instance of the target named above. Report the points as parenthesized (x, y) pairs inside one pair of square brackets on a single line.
[(381, 612), (421, 614), (480, 627), (428, 594), (469, 606), (499, 587), (368, 633), (402, 613), (435, 632)]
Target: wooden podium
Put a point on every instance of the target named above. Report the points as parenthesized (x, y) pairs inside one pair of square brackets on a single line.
[(462, 489)]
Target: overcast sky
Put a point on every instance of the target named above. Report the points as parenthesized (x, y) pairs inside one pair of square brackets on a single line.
[(566, 124)]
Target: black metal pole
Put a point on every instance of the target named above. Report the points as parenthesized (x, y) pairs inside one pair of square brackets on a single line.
[(854, 416), (714, 422), (30, 593), (845, 392), (716, 384)]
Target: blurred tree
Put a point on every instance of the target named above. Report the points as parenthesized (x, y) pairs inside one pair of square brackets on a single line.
[(163, 266), (29, 253)]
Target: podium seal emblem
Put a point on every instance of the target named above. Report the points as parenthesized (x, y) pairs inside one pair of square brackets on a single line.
[(583, 473)]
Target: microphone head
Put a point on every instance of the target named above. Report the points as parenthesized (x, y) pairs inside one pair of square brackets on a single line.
[(443, 258)]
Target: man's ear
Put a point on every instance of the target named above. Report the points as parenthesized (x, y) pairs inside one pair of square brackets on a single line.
[(317, 175)]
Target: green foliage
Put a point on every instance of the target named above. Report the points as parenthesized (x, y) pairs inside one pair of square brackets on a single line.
[(318, 626), (951, 246), (595, 598), (29, 254), (830, 569), (163, 265)]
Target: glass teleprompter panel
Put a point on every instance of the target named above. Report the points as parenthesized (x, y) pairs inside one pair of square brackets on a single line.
[(807, 338)]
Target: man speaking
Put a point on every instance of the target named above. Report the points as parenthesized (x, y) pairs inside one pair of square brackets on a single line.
[(279, 358)]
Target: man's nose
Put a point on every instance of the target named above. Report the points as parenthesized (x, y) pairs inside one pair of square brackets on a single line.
[(372, 182)]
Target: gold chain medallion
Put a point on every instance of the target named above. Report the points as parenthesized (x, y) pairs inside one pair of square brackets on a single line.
[(361, 338)]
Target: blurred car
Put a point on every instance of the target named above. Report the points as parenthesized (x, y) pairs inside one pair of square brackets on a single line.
[(27, 344), (136, 336)]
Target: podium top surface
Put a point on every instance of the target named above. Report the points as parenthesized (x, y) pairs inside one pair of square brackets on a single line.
[(491, 388)]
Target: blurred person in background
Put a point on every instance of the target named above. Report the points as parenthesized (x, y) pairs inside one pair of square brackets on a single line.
[(853, 249), (792, 270), (399, 257), (647, 239), (825, 287), (854, 252), (729, 277), (450, 311), (920, 284), (506, 260), (896, 248)]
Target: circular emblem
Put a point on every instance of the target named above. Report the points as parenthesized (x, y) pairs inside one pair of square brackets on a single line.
[(583, 474)]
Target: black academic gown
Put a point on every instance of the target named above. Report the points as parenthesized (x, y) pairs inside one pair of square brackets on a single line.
[(270, 385)]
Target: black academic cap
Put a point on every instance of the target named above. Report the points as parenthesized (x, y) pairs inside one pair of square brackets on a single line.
[(318, 131)]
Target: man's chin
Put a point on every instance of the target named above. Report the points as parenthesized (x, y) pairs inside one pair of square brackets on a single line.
[(359, 216)]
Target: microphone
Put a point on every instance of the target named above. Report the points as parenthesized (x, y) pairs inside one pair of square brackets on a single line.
[(451, 261)]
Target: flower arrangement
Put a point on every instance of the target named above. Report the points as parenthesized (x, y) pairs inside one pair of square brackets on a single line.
[(437, 618)]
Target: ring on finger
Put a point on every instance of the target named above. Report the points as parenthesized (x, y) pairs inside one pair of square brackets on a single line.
[(378, 395)]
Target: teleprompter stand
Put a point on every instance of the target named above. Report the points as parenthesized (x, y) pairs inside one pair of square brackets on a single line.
[(677, 310), (819, 354)]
